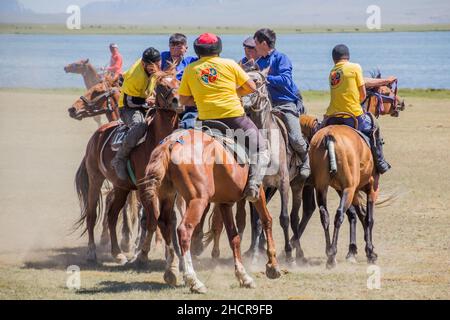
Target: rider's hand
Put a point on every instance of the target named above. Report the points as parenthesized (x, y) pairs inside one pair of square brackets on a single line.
[(150, 101)]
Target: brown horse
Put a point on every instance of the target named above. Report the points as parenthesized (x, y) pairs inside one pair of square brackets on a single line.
[(197, 167), (96, 164), (340, 158), (102, 98), (89, 74)]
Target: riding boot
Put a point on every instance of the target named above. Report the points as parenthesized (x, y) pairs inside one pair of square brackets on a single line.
[(258, 165), (119, 162), (376, 144)]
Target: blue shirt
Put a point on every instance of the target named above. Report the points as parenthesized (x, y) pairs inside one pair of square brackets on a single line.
[(281, 85), (166, 58)]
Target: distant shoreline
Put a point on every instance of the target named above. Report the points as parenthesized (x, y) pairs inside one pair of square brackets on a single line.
[(92, 29), (307, 94)]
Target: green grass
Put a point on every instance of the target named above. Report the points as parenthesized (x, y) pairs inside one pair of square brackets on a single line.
[(142, 29)]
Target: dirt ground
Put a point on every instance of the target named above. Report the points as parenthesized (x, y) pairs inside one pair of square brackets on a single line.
[(41, 148)]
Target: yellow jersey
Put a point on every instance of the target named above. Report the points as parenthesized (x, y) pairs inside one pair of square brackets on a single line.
[(136, 83), (345, 79), (213, 82)]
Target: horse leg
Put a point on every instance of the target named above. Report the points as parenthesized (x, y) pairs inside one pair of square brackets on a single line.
[(216, 228), (284, 220), (235, 243), (127, 234), (324, 216), (104, 238), (272, 268), (142, 232), (370, 253), (240, 218), (345, 203), (198, 246), (309, 206), (165, 223), (352, 248), (119, 197), (95, 185), (192, 216)]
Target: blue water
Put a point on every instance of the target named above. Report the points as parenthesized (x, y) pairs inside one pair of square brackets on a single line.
[(418, 59)]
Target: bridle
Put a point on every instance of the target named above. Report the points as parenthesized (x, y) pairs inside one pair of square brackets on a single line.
[(261, 92), (108, 95)]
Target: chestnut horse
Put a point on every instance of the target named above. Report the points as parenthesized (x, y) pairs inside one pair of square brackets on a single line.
[(89, 74), (340, 158), (197, 167), (96, 166)]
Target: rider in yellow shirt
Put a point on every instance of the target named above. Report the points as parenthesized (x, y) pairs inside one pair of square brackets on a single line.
[(135, 99), (348, 90), (215, 85)]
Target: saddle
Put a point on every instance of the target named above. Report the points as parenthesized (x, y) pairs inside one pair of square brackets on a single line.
[(118, 135)]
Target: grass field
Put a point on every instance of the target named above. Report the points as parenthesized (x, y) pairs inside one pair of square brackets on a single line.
[(41, 148), (143, 29)]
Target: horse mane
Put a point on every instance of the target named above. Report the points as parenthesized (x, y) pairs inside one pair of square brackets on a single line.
[(309, 125)]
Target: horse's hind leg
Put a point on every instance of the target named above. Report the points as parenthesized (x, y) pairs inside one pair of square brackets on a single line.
[(119, 197), (272, 268), (104, 238), (127, 234), (371, 255), (95, 185), (192, 216), (324, 215), (216, 229), (309, 205), (240, 218), (235, 243), (284, 220), (345, 203), (352, 248)]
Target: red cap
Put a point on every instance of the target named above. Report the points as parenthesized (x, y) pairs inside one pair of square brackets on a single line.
[(207, 38)]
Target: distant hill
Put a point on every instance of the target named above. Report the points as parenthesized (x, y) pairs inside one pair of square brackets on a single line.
[(238, 12)]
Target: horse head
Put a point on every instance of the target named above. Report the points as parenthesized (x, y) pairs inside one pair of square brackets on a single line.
[(77, 67), (97, 100), (166, 90)]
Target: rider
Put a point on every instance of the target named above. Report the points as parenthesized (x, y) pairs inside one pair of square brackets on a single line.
[(216, 85), (176, 54), (115, 65), (285, 95), (135, 98), (347, 92), (250, 51)]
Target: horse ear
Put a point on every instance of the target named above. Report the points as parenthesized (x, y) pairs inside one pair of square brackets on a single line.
[(86, 61)]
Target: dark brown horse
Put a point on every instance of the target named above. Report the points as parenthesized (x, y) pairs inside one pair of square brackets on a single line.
[(197, 167), (96, 164), (340, 158)]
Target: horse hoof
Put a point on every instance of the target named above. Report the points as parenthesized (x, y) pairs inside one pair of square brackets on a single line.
[(92, 257), (249, 284), (351, 259), (372, 259), (138, 262), (331, 263), (200, 289), (170, 278), (121, 259), (302, 261), (215, 254), (272, 272)]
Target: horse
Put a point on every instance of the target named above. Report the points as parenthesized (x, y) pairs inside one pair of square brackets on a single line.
[(196, 166), (96, 167), (102, 98), (340, 158), (383, 99), (89, 74)]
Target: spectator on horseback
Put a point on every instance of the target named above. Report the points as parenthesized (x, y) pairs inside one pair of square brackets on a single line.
[(216, 85), (116, 62), (135, 99), (177, 54), (348, 90), (250, 52), (285, 95)]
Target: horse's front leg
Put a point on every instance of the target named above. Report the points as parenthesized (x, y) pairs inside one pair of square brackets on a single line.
[(284, 220)]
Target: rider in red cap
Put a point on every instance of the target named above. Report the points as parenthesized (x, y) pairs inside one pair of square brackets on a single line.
[(216, 85)]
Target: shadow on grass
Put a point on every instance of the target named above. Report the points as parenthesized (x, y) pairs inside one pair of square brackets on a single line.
[(120, 287), (61, 258)]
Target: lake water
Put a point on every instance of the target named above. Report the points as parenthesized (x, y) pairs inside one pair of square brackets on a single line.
[(418, 59)]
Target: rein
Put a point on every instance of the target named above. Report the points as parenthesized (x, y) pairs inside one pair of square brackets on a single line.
[(93, 103)]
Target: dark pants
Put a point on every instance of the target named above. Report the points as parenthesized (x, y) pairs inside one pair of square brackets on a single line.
[(188, 118), (133, 118)]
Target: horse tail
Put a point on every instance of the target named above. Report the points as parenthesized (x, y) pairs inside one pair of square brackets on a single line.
[(329, 144), (82, 189)]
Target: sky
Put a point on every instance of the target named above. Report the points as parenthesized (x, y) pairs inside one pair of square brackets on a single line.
[(52, 6)]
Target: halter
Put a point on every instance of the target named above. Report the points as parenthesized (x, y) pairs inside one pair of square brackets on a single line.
[(93, 103), (261, 94)]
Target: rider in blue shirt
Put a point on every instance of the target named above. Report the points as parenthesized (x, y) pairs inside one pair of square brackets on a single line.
[(284, 94), (177, 50)]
